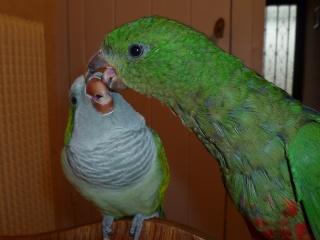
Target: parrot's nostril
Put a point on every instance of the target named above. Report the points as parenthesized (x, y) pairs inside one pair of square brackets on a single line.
[(98, 96)]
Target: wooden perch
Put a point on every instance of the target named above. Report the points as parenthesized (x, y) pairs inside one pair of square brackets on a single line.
[(157, 228)]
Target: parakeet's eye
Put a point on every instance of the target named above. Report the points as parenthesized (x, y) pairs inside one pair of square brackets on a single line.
[(74, 100), (136, 50)]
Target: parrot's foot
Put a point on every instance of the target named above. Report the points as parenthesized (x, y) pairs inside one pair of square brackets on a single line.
[(106, 226), (137, 221)]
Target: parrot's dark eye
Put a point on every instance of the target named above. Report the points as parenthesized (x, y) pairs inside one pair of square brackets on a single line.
[(74, 100), (136, 50)]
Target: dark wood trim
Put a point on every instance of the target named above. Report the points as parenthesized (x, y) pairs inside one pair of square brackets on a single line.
[(281, 2), (299, 51)]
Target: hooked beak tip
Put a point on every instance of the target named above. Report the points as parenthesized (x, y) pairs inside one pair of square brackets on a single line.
[(95, 63)]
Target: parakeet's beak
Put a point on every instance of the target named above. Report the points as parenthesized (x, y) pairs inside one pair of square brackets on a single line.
[(96, 63), (99, 94), (109, 76)]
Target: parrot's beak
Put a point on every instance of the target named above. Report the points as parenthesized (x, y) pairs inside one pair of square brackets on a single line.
[(99, 94), (109, 76), (95, 64)]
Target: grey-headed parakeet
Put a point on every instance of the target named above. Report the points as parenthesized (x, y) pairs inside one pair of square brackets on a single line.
[(111, 156), (267, 144)]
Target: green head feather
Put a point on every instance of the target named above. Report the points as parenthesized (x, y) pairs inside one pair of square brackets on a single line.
[(172, 55)]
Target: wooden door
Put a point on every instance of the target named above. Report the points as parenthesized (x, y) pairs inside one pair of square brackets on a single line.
[(196, 195)]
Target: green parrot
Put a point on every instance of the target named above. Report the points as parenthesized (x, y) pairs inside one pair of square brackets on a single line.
[(266, 143), (111, 156)]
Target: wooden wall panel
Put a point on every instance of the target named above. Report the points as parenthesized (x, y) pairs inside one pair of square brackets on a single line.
[(175, 139), (127, 11), (64, 212), (248, 32), (311, 76), (204, 15), (99, 20), (77, 43), (206, 196), (178, 10)]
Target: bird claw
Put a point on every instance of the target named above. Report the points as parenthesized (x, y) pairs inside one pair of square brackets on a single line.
[(137, 221), (106, 226)]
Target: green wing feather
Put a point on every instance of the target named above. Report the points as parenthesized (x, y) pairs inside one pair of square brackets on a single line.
[(164, 168), (69, 129), (304, 159)]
